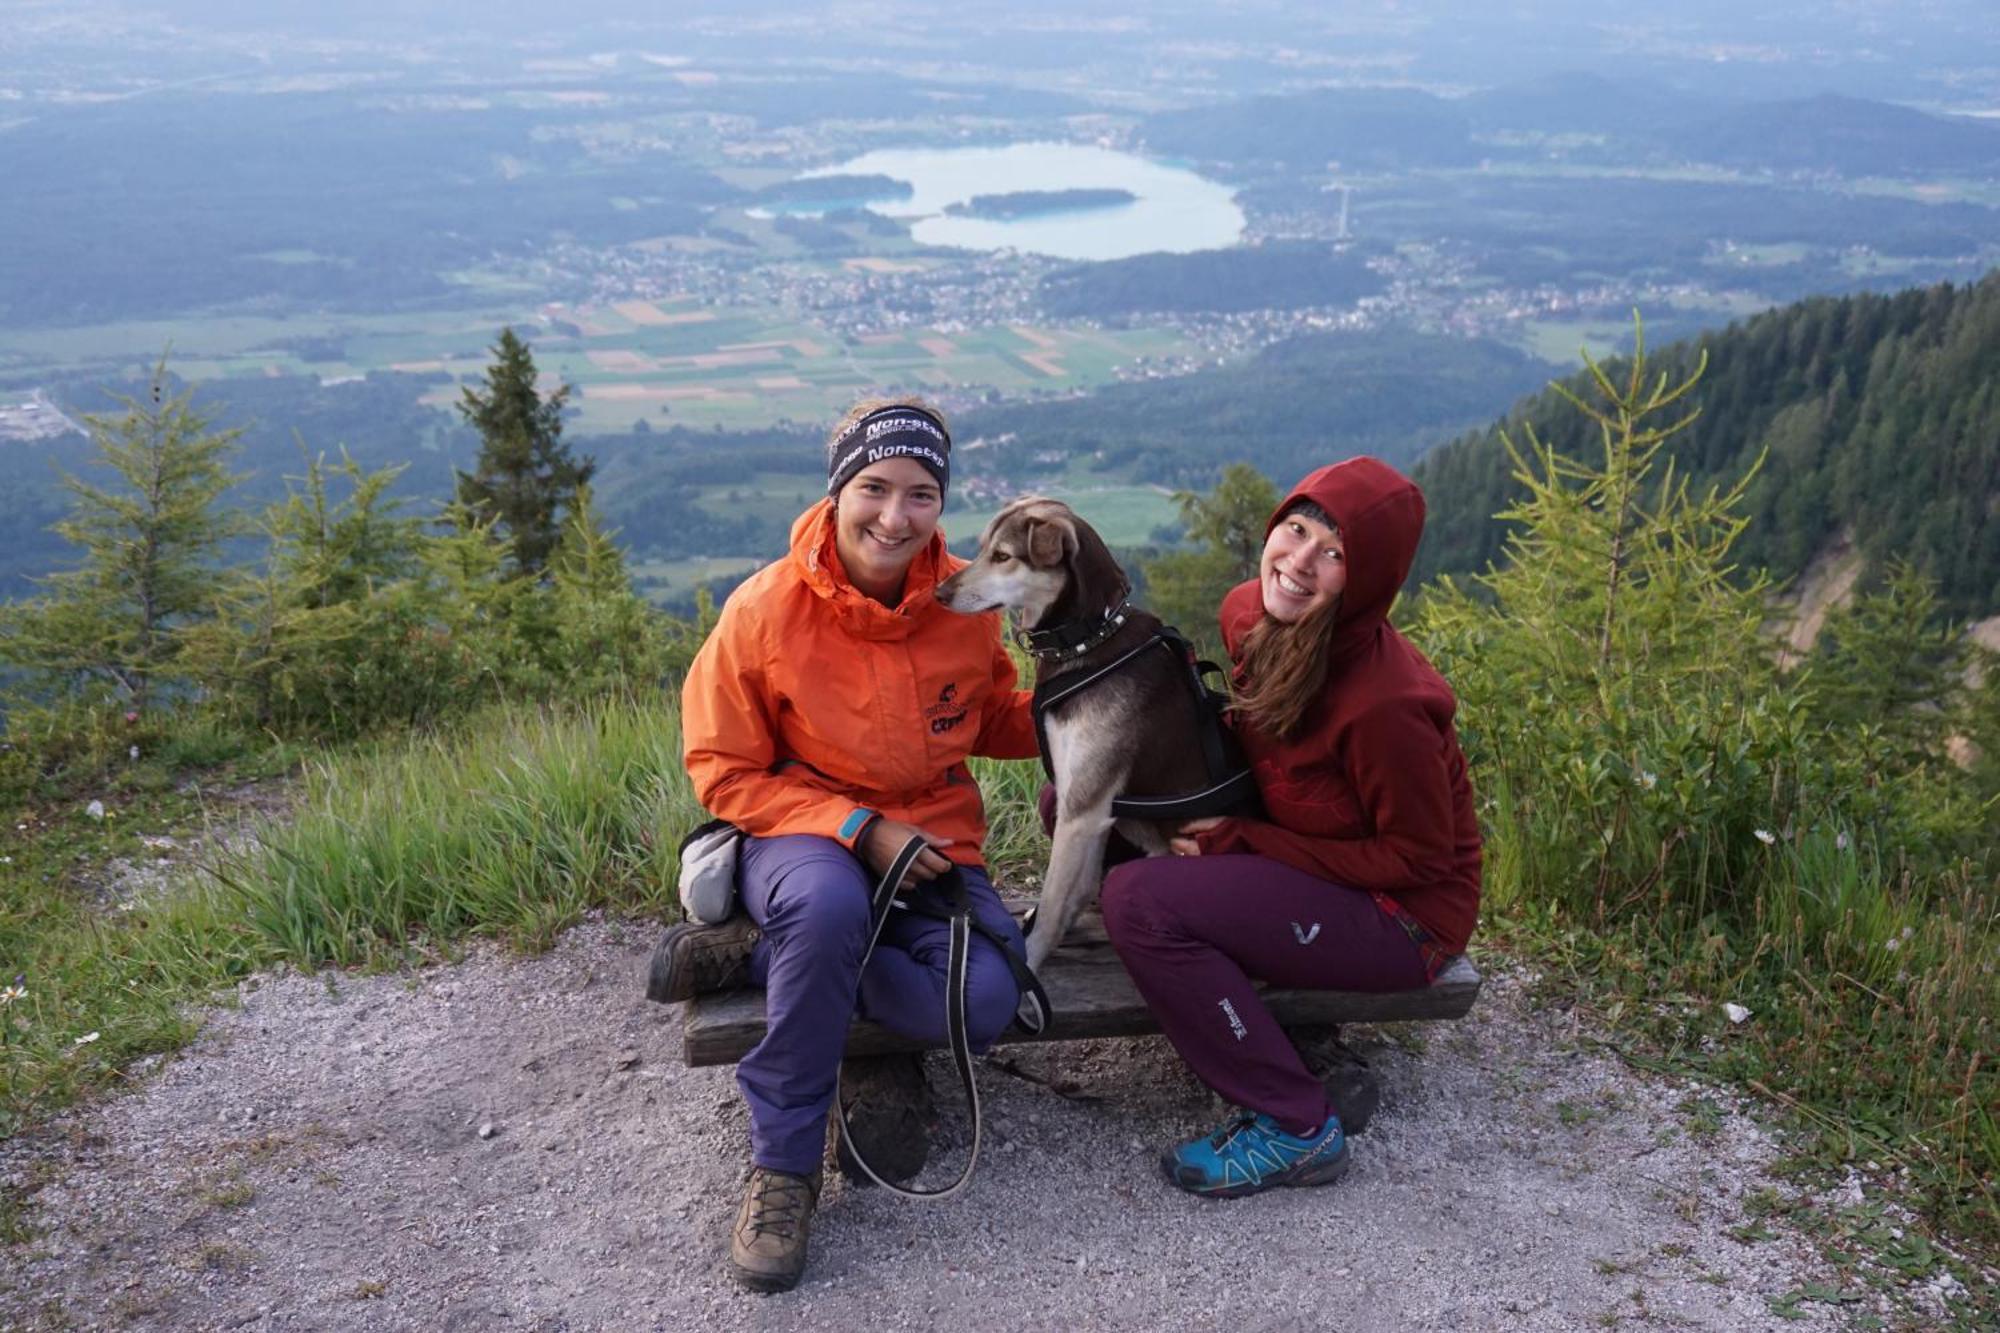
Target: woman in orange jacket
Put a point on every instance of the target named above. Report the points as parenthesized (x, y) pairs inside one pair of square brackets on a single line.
[(829, 716)]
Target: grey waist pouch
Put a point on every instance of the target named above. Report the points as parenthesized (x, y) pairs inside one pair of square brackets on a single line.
[(708, 872)]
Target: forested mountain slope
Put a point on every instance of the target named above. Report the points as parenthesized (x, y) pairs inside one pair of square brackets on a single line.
[(1880, 415)]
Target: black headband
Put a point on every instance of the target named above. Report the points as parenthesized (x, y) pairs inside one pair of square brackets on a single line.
[(890, 432)]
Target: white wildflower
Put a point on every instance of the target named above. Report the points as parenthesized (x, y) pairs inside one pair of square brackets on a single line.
[(1840, 842), (134, 752), (1766, 837), (86, 1039), (1736, 1013), (95, 809), (9, 994), (1648, 780), (1892, 944), (6, 860), (1909, 931)]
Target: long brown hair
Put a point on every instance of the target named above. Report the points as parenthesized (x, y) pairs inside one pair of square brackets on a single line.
[(1285, 665), (1284, 669)]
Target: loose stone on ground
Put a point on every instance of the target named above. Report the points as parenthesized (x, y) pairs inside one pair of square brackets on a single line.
[(517, 1140)]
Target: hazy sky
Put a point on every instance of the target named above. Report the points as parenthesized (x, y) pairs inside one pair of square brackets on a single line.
[(1936, 52)]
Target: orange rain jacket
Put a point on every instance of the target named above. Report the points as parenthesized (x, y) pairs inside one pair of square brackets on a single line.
[(812, 706)]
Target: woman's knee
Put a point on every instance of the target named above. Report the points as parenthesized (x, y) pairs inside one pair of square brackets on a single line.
[(1129, 902), (824, 898), (991, 997)]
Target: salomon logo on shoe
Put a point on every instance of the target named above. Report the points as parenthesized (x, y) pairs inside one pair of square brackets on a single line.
[(1252, 1153)]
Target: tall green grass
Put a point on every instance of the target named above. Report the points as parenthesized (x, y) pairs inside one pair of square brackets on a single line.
[(513, 827), (1017, 849), (513, 824)]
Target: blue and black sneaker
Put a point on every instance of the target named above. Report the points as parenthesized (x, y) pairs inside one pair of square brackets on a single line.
[(1252, 1153)]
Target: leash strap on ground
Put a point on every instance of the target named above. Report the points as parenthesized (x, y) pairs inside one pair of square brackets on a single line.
[(960, 915)]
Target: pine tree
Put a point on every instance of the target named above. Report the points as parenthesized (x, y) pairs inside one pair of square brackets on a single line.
[(603, 633), (293, 645), (148, 543), (525, 475)]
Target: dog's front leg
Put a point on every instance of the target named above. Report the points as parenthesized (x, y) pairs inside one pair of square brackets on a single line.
[(1076, 863)]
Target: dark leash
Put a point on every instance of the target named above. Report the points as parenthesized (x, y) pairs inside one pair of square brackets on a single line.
[(956, 910)]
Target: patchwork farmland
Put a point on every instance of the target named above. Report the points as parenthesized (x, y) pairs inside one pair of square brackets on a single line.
[(663, 362), (669, 362)]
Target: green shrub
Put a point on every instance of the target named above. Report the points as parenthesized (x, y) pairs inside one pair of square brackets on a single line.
[(1682, 818)]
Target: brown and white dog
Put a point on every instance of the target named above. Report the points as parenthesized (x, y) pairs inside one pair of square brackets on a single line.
[(1135, 732)]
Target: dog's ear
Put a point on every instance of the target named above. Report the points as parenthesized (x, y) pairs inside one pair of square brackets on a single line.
[(1051, 541)]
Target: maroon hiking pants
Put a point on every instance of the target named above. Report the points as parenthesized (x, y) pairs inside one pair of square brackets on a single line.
[(1194, 931)]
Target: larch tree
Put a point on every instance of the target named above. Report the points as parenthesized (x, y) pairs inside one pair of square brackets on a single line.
[(148, 542)]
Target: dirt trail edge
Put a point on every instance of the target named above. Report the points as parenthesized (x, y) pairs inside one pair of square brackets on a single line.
[(513, 1143)]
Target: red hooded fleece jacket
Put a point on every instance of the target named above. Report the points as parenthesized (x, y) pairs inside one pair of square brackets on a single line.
[(1373, 791)]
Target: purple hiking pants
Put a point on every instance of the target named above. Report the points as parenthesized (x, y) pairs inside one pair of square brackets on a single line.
[(810, 895), (1194, 931)]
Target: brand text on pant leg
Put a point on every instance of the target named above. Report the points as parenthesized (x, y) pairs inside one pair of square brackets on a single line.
[(1235, 1023)]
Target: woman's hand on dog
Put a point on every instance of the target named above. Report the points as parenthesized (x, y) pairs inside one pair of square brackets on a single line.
[(1184, 842), (886, 837)]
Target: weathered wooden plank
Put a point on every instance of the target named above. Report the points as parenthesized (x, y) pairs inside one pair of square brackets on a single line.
[(1093, 998)]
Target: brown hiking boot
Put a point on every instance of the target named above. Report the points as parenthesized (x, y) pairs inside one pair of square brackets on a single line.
[(888, 1106), (693, 959), (767, 1249)]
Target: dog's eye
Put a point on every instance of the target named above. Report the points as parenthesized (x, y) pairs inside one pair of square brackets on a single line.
[(1001, 557)]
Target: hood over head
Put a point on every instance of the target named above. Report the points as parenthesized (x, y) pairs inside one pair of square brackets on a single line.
[(1380, 514)]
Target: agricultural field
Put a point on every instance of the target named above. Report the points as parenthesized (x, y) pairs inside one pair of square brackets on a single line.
[(1123, 514), (680, 363), (676, 361), (669, 582), (1561, 340)]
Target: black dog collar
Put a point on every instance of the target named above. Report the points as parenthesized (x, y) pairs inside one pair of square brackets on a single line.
[(1073, 638)]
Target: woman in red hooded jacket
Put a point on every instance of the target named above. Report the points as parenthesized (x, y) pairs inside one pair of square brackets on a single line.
[(1364, 872)]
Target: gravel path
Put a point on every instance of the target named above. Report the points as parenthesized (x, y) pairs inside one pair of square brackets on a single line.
[(513, 1143)]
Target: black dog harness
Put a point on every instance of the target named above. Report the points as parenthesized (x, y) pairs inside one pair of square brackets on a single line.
[(1231, 785)]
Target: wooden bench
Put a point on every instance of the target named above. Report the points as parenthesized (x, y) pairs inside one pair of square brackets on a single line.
[(1092, 997)]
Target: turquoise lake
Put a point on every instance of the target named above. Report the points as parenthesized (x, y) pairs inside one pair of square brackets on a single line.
[(1175, 210)]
